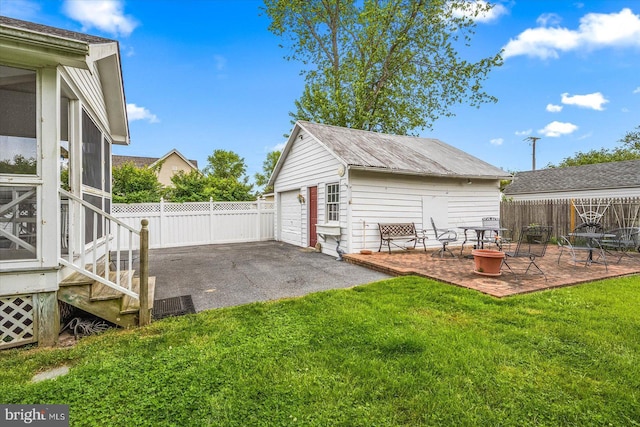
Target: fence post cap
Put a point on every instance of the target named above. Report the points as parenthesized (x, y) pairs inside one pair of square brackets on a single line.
[(144, 222)]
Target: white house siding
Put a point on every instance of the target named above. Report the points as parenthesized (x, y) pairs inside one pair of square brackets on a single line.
[(91, 93), (587, 194), (308, 164), (381, 197)]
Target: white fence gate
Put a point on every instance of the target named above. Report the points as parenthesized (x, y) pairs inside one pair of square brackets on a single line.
[(200, 223)]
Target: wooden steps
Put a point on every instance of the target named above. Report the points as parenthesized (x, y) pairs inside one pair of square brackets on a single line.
[(132, 305), (103, 301), (101, 292)]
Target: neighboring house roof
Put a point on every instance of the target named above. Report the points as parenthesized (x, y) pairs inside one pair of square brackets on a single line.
[(39, 28), (41, 45), (141, 162), (598, 176), (381, 152)]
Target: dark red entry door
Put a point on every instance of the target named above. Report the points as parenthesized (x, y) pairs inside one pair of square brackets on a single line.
[(313, 215)]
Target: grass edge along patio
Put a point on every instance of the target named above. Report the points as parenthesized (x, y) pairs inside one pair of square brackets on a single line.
[(404, 351)]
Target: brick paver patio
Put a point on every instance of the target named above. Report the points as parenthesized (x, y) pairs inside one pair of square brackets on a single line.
[(459, 271)]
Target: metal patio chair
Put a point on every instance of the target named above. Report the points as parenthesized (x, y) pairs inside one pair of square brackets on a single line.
[(627, 239), (500, 237), (582, 250), (532, 244), (444, 236)]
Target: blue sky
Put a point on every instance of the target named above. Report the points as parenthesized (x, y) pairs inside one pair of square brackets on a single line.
[(202, 75)]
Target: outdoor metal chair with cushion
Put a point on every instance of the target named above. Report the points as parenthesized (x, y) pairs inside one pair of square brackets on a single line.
[(626, 240), (444, 236), (532, 244)]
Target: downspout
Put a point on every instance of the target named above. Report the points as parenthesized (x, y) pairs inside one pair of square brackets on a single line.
[(349, 213)]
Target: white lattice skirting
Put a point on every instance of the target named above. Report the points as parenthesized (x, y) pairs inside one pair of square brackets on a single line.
[(17, 321)]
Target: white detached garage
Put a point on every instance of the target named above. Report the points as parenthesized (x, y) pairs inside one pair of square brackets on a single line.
[(337, 181)]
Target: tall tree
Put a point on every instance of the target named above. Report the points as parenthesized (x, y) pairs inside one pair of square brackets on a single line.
[(224, 179), (136, 185), (383, 65), (269, 164), (631, 140), (226, 164), (629, 150)]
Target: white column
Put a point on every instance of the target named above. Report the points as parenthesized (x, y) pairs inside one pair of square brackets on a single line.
[(49, 140)]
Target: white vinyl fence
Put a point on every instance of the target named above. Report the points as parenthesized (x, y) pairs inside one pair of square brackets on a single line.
[(200, 223)]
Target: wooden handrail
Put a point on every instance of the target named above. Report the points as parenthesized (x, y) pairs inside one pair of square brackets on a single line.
[(76, 260), (98, 211), (144, 317)]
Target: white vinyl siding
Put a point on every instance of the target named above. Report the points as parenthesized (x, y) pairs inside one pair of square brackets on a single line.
[(307, 164), (91, 94), (379, 197)]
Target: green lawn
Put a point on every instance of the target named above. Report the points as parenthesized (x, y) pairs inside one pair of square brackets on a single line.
[(405, 351)]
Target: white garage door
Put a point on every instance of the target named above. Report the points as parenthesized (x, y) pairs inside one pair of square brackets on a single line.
[(290, 218)]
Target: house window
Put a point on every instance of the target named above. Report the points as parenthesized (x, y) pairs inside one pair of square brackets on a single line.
[(333, 202), (18, 144)]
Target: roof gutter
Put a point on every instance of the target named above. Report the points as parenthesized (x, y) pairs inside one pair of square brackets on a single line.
[(434, 175), (54, 49)]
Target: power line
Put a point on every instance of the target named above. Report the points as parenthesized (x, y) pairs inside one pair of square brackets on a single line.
[(533, 140)]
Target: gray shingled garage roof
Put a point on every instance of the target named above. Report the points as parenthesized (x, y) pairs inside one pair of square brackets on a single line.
[(588, 177), (399, 154)]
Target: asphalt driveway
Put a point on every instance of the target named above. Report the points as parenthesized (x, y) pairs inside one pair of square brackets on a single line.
[(233, 274)]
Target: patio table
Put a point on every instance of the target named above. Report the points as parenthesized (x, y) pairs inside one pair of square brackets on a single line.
[(593, 241), (480, 232)]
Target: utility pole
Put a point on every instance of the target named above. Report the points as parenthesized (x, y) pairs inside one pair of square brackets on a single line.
[(533, 140)]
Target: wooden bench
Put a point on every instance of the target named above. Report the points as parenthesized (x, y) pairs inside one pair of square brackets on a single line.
[(406, 232)]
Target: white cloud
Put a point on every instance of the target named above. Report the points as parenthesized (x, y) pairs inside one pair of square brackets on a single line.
[(278, 147), (556, 129), (475, 9), (524, 132), (552, 108), (129, 51), (637, 90), (496, 141), (625, 110), (140, 113), (585, 136), (548, 19), (220, 62), (595, 101), (596, 30), (104, 15)]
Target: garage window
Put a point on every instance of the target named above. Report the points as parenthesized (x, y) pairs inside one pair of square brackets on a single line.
[(333, 202)]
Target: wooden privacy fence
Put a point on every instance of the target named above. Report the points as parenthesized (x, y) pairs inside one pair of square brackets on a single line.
[(564, 217), (201, 223)]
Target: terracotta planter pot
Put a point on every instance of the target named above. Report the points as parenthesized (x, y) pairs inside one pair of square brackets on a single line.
[(488, 261)]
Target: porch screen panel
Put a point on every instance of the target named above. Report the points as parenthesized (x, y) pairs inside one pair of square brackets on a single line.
[(107, 166), (91, 153), (18, 144), (89, 217)]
